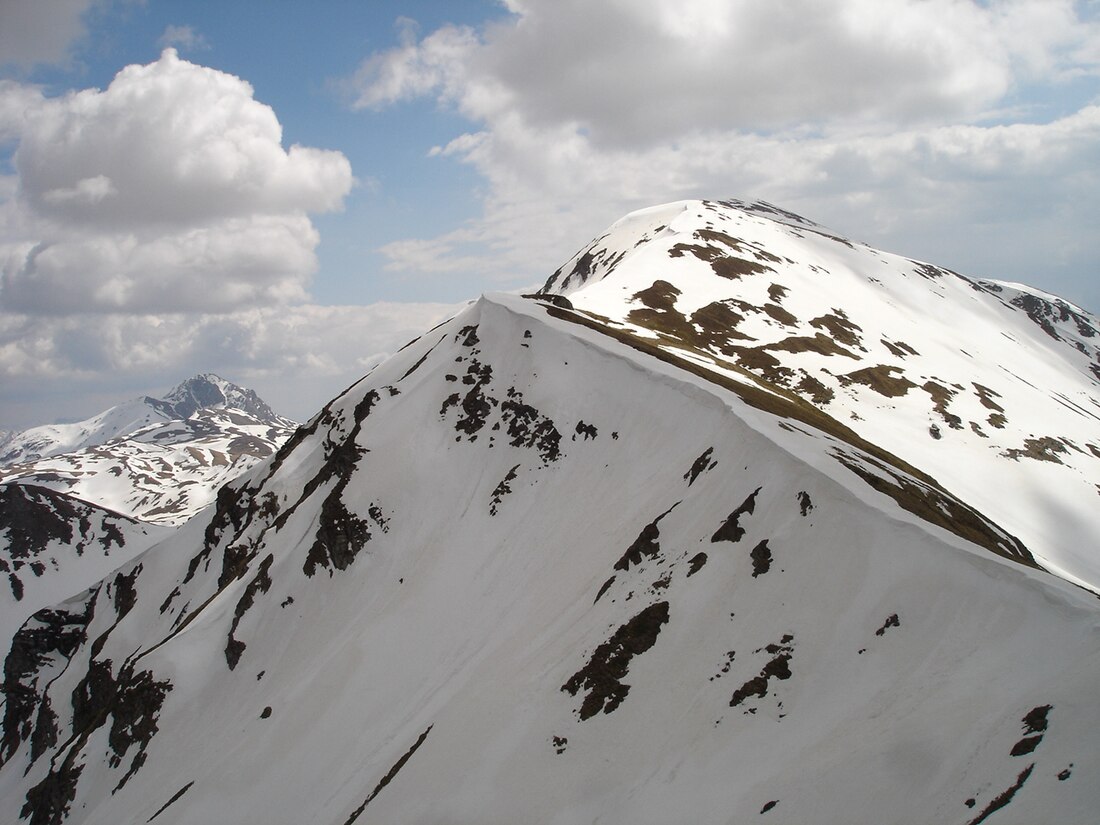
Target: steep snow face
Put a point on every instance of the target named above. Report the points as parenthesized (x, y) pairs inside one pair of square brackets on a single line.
[(207, 391), (992, 389), (202, 434), (53, 546), (535, 569)]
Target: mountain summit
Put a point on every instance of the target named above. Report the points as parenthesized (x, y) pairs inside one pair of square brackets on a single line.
[(990, 388), (201, 392), (157, 460), (209, 391), (674, 540)]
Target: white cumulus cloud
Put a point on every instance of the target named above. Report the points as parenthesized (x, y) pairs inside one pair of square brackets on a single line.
[(169, 190)]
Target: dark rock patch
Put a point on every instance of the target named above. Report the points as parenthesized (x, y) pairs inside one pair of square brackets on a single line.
[(48, 802), (501, 490), (695, 564), (48, 636), (385, 780), (660, 296), (818, 344), (646, 545), (602, 677), (986, 396), (730, 656), (1035, 725), (341, 535), (1026, 745), (723, 264), (34, 517), (529, 428), (777, 313), (260, 583), (586, 431), (468, 336), (606, 586), (814, 389), (761, 556), (701, 464), (1047, 313), (131, 703), (891, 621), (805, 506), (777, 668), (899, 349), (731, 529), (175, 797), (1003, 798)]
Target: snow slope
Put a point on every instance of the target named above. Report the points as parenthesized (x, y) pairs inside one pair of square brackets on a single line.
[(536, 569)]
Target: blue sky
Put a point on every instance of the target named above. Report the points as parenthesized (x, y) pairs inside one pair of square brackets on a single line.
[(297, 189)]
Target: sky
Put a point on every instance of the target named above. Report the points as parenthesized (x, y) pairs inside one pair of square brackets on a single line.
[(283, 193)]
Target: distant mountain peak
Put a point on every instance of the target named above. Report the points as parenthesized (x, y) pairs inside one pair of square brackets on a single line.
[(207, 390)]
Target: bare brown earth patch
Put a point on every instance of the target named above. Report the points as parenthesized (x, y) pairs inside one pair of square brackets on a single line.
[(840, 328), (1045, 448), (880, 379), (941, 397)]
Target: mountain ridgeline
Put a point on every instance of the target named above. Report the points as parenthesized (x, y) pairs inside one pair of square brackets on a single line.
[(736, 520)]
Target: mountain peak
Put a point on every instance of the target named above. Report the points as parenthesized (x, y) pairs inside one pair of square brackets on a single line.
[(207, 390), (964, 378)]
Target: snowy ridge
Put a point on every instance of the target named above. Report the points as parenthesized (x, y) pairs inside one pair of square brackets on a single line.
[(537, 568)]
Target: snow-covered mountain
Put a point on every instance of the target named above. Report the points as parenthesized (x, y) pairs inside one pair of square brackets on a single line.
[(201, 392), (638, 550), (988, 387), (155, 460)]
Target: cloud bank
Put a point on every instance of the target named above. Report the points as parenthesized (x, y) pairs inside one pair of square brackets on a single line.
[(963, 130)]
